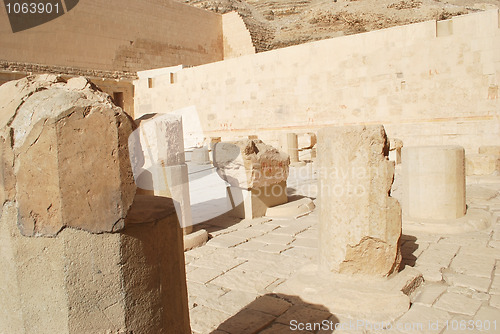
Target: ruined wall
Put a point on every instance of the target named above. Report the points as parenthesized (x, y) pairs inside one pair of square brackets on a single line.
[(237, 39), (427, 83), (118, 35)]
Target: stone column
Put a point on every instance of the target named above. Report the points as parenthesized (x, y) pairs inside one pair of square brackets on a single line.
[(433, 182), (360, 224), (80, 252), (157, 150), (292, 146)]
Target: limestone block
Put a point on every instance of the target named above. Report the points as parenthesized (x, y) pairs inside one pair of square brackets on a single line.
[(433, 182), (50, 152), (489, 150), (250, 164), (159, 140), (360, 224), (482, 164), (200, 156), (253, 203)]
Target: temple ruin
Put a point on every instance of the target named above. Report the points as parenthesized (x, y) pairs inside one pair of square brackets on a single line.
[(165, 178)]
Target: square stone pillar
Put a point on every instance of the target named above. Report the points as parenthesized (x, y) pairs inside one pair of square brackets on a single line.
[(360, 224), (157, 151), (131, 281), (80, 251)]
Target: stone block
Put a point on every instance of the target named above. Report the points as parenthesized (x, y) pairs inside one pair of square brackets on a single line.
[(360, 224), (157, 142), (200, 156), (433, 182), (158, 161), (254, 203), (50, 148), (482, 164), (250, 164)]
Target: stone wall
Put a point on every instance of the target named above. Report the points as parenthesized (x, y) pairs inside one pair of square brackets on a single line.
[(237, 39), (427, 83), (118, 35)]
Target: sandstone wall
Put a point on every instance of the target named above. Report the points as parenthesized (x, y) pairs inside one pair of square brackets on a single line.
[(118, 35), (427, 83), (237, 39)]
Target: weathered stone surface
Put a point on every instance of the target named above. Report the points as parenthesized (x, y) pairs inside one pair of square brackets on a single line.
[(80, 282), (158, 141), (65, 163), (457, 303), (482, 164), (253, 203), (250, 163), (395, 143), (360, 224), (53, 134)]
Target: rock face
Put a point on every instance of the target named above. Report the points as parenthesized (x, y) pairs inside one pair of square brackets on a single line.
[(55, 167), (360, 224), (250, 163)]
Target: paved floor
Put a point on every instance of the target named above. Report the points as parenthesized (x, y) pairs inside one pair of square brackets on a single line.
[(233, 279)]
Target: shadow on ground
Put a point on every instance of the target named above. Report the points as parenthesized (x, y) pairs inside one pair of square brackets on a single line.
[(229, 218), (408, 248), (279, 313)]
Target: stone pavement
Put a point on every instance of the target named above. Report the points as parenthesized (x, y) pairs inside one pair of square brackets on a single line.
[(233, 280)]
